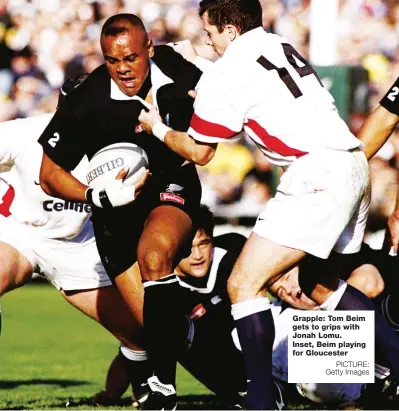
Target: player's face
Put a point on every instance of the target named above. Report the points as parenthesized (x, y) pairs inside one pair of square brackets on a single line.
[(287, 289), (218, 41), (127, 59), (198, 262)]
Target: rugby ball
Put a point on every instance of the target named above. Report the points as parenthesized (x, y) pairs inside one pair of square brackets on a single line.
[(106, 164)]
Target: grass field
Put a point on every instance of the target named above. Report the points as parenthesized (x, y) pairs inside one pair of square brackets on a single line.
[(53, 357)]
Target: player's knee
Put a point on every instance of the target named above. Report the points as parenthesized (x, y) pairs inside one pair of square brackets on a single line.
[(232, 286), (368, 280), (239, 290), (155, 263)]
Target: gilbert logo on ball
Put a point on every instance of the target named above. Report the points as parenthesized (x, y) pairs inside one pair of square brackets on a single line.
[(107, 162)]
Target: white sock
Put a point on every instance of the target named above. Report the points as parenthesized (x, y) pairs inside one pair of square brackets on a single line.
[(133, 355), (248, 307), (332, 301)]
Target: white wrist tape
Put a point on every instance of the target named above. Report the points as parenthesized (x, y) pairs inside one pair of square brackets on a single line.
[(159, 130)]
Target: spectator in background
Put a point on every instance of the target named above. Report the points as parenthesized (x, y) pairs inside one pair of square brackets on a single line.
[(5, 52)]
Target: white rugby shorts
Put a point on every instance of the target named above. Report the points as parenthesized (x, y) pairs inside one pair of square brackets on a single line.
[(321, 204), (67, 264)]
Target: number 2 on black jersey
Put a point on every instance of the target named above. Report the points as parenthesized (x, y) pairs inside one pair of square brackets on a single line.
[(303, 71)]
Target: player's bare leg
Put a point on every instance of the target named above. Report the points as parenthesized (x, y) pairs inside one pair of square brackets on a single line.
[(167, 229), (130, 287), (260, 262), (15, 269), (120, 311), (137, 364), (106, 306), (126, 327), (116, 383)]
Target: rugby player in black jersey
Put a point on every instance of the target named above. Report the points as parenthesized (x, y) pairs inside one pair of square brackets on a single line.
[(153, 227)]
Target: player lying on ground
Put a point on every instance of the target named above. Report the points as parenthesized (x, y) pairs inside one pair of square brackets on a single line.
[(43, 234), (210, 351), (153, 228)]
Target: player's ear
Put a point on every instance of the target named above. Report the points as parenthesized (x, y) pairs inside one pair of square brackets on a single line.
[(150, 48), (232, 32)]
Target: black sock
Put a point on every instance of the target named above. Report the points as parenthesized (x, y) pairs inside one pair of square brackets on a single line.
[(390, 311), (138, 369), (256, 335), (385, 338), (161, 310)]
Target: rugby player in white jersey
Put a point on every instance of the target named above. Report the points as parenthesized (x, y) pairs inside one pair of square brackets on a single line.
[(263, 86), (43, 234)]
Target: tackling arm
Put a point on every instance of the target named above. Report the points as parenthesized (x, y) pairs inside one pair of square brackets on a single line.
[(377, 129), (180, 142), (192, 150)]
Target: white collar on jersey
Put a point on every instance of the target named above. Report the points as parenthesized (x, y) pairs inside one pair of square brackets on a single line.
[(218, 254), (244, 43), (158, 79)]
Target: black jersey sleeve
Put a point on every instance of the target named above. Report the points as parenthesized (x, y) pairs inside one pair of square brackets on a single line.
[(391, 100), (60, 139), (176, 67)]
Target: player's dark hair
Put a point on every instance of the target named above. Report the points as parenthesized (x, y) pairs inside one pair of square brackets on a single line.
[(122, 23), (205, 220), (245, 15)]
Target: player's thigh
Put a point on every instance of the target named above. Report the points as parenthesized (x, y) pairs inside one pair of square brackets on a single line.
[(166, 230), (15, 268), (106, 306), (260, 263)]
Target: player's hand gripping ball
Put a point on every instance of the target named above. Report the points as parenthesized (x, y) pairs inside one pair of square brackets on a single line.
[(127, 161)]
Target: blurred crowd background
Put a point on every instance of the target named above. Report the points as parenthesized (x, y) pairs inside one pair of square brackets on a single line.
[(43, 42)]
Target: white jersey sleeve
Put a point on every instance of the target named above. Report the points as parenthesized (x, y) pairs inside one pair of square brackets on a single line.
[(217, 117), (203, 64), (15, 135)]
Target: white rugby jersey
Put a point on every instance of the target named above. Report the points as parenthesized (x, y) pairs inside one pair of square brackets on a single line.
[(263, 86), (21, 197)]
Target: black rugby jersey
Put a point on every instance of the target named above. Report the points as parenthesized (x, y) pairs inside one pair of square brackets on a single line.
[(89, 119), (201, 295), (391, 99)]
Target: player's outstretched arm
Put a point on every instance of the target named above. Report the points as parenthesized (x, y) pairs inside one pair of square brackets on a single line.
[(377, 129), (180, 142), (186, 49)]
